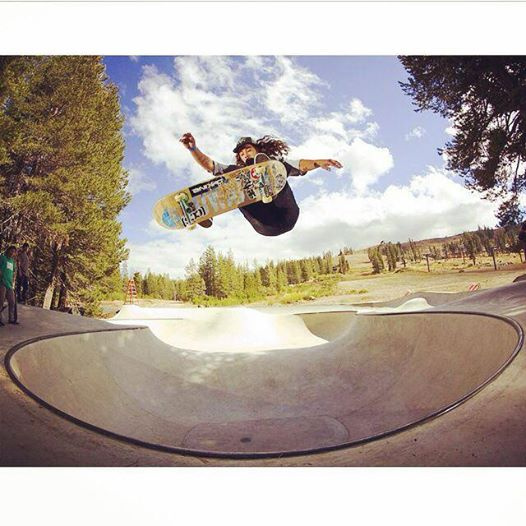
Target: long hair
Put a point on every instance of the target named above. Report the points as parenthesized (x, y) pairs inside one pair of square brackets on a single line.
[(271, 146)]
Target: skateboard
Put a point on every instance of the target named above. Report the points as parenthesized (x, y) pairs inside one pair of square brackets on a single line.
[(199, 202)]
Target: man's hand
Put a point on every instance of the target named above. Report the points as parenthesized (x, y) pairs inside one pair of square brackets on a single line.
[(199, 157), (326, 164), (188, 141)]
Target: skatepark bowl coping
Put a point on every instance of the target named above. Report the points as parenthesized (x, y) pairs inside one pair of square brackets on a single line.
[(357, 378)]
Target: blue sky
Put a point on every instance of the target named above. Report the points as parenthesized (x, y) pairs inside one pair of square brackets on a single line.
[(393, 184)]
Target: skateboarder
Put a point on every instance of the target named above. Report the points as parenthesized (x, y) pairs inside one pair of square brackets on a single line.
[(522, 238), (22, 280), (280, 215), (7, 277)]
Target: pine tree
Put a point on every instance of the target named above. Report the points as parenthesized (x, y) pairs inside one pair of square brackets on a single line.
[(252, 284), (343, 264), (281, 278), (401, 254), (137, 277), (486, 237), (208, 270), (272, 276), (415, 252), (327, 263), (293, 272), (470, 243), (62, 182), (268, 276), (194, 283), (306, 270), (318, 265), (484, 97), (391, 254), (375, 257)]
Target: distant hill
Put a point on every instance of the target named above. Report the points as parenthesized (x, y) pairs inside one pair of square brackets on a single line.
[(434, 241)]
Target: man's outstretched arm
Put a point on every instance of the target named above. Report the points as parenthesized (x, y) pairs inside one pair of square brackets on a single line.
[(306, 165), (199, 157)]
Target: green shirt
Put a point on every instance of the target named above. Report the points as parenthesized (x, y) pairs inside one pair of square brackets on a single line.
[(7, 268)]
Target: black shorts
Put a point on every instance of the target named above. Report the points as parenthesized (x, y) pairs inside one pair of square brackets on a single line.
[(274, 218)]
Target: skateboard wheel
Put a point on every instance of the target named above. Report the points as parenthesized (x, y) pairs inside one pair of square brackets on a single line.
[(267, 199), (192, 227)]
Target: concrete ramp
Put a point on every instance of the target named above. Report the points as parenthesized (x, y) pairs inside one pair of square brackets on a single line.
[(360, 377), (238, 329)]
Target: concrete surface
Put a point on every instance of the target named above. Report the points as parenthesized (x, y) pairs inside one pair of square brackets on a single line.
[(238, 329), (379, 377)]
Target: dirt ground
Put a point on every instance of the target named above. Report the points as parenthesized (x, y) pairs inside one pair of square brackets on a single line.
[(453, 275)]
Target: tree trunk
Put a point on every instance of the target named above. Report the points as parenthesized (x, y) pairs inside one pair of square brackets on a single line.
[(50, 290), (48, 296), (63, 294)]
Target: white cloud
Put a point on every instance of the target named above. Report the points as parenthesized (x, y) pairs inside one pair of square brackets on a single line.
[(416, 133), (371, 129), (319, 145), (332, 124), (363, 162), (337, 125), (357, 112), (292, 94), (367, 163), (138, 181)]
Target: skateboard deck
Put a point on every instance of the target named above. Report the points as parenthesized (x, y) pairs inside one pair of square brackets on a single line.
[(189, 206)]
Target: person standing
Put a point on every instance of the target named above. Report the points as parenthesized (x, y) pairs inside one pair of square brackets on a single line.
[(522, 238), (7, 279), (22, 282)]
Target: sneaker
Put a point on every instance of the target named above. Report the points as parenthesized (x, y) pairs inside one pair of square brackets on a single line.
[(1, 323), (207, 223), (13, 322)]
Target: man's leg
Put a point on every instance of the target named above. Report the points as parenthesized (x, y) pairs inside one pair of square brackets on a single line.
[(2, 299), (275, 218), (11, 302)]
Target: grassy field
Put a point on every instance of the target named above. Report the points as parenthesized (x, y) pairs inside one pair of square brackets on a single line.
[(451, 275)]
